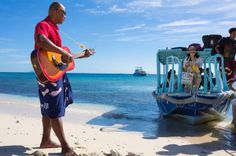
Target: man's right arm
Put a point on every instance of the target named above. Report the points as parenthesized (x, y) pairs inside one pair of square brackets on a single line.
[(44, 43)]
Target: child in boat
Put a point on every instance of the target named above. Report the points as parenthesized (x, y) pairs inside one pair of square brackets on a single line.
[(192, 64)]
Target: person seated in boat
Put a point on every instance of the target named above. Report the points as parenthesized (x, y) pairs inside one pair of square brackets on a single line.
[(208, 75), (168, 79), (192, 64), (227, 48)]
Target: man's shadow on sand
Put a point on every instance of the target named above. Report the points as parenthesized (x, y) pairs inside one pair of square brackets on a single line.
[(13, 150)]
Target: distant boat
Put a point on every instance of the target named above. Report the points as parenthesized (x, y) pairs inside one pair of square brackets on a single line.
[(139, 72)]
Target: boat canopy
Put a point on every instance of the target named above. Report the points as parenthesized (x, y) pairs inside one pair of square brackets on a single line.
[(170, 59)]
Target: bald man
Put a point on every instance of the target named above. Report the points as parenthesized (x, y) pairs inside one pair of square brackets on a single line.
[(54, 97)]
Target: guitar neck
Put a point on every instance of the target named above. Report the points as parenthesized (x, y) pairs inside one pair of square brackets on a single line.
[(84, 53), (78, 55)]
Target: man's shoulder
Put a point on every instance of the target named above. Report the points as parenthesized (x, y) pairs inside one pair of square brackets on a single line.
[(43, 23)]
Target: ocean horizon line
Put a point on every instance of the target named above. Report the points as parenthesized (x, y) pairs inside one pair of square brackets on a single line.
[(77, 73)]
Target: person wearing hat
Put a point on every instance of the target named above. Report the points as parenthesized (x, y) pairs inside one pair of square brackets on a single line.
[(192, 64)]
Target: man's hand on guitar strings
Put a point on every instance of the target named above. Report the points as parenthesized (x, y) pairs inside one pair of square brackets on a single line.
[(66, 58)]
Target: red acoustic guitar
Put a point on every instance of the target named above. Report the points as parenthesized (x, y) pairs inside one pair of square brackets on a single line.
[(49, 67)]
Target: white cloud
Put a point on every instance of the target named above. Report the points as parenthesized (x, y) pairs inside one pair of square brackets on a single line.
[(7, 50), (140, 26), (193, 19), (138, 38), (115, 8), (135, 6), (96, 11), (153, 8), (189, 22), (2, 39), (112, 35), (227, 23), (184, 30), (224, 8), (144, 4), (182, 3)]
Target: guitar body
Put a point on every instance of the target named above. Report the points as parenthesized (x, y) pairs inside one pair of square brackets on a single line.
[(48, 65)]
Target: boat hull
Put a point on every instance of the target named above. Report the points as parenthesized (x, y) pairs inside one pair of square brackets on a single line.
[(139, 74), (194, 108)]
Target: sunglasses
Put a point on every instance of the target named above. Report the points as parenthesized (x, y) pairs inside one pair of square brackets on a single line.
[(63, 11)]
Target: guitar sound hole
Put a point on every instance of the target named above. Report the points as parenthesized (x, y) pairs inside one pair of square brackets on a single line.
[(60, 65), (63, 59)]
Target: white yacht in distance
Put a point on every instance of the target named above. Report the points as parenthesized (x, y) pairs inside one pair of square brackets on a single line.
[(139, 72)]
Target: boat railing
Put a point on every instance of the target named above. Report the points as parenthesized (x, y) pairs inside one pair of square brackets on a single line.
[(220, 77), (174, 83), (174, 58)]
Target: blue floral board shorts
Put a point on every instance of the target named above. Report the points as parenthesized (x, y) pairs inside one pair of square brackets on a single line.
[(55, 97)]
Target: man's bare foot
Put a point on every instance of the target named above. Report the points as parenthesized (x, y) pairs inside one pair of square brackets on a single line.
[(49, 144), (68, 152)]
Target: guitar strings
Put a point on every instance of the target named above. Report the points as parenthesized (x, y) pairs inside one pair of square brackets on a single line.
[(82, 46)]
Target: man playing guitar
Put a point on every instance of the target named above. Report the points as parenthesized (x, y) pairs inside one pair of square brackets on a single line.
[(54, 96)]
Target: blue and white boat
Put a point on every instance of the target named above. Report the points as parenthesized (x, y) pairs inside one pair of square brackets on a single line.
[(210, 102), (139, 72)]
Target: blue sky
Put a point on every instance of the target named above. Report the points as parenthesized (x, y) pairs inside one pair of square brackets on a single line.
[(125, 33)]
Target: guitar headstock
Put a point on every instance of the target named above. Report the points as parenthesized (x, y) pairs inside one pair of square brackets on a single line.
[(89, 51)]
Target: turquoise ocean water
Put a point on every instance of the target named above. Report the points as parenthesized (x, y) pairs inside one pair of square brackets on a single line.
[(131, 98)]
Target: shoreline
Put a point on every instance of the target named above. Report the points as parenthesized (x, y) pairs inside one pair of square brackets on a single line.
[(21, 132)]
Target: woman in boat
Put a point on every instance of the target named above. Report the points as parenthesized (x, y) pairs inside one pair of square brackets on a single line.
[(192, 64)]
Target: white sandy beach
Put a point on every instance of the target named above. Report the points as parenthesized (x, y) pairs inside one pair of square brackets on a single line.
[(21, 131)]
